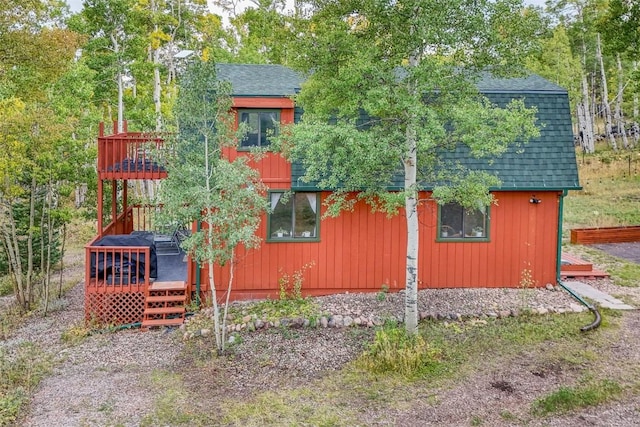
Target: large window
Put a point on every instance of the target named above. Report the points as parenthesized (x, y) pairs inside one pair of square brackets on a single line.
[(457, 222), (262, 125), (293, 216)]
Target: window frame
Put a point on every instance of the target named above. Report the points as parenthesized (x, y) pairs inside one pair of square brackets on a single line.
[(295, 239), (463, 238), (278, 111)]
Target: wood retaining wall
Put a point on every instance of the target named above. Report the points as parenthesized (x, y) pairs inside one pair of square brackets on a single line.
[(588, 236)]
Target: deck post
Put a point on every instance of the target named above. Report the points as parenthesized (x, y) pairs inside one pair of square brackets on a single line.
[(124, 205), (100, 207), (114, 201)]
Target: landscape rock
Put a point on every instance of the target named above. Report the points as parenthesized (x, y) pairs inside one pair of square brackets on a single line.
[(324, 322)]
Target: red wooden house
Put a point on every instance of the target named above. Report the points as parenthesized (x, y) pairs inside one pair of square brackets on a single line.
[(360, 251)]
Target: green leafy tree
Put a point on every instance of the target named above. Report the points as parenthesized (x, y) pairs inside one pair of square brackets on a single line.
[(620, 27), (265, 34), (167, 26), (225, 197), (579, 18), (556, 62), (37, 136), (115, 46), (410, 68)]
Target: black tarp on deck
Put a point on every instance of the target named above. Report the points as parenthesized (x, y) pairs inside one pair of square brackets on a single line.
[(107, 264)]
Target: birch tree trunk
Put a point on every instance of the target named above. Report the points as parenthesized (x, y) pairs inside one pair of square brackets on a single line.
[(413, 227), (32, 213), (618, 114), (585, 125), (157, 88), (608, 131), (119, 78), (62, 249), (635, 129), (411, 208), (120, 103), (47, 264), (10, 241), (80, 195)]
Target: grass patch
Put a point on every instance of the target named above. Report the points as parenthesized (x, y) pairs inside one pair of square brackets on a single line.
[(627, 274), (75, 334), (295, 407), (276, 309), (567, 399), (172, 405), (609, 195), (19, 375), (11, 318), (446, 351), (395, 351), (6, 287)]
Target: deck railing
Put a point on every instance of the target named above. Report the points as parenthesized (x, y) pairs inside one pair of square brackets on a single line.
[(116, 281), (131, 155)]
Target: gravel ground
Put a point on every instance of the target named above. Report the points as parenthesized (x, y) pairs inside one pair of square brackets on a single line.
[(106, 379)]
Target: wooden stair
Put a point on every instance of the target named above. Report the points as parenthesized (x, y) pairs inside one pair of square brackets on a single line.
[(574, 267), (165, 304)]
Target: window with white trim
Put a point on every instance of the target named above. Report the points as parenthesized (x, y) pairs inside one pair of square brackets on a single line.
[(294, 216), (262, 125), (457, 222)]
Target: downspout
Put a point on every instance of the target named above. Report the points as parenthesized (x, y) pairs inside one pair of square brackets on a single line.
[(594, 310)]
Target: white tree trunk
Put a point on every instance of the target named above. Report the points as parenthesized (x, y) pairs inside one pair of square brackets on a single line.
[(116, 50), (605, 98), (10, 240), (585, 125), (157, 88), (120, 103), (157, 91), (81, 195), (635, 129), (411, 210), (618, 114)]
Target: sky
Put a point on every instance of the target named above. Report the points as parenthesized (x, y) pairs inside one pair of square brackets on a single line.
[(76, 5)]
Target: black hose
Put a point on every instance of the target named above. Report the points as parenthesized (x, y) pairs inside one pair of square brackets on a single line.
[(595, 323), (598, 319)]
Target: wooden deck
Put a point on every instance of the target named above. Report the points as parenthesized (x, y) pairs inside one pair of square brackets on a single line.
[(574, 267)]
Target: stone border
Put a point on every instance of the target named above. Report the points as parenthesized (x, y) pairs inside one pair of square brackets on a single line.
[(251, 323)]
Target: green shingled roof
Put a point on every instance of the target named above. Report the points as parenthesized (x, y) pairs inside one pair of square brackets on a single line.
[(547, 162), (529, 84), (260, 79)]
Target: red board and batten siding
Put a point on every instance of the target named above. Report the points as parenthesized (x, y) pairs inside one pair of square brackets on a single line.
[(360, 251), (274, 169)]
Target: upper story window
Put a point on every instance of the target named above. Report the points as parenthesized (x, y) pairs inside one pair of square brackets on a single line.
[(262, 125), (293, 216), (457, 222)]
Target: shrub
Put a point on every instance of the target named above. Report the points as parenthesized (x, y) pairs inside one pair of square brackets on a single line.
[(396, 352)]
